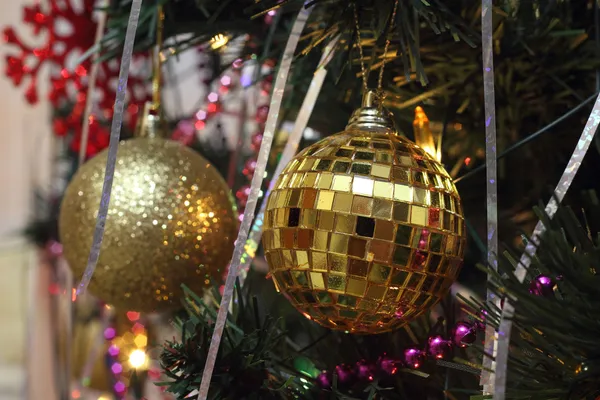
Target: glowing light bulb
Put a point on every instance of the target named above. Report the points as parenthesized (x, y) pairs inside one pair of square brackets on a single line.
[(218, 41), (424, 138), (137, 358)]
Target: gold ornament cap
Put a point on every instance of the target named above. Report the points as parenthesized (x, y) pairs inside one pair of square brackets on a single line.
[(151, 123), (372, 116)]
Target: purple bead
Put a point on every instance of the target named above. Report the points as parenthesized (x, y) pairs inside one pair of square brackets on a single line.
[(324, 379), (463, 334), (480, 321), (365, 370), (116, 368), (119, 387), (54, 249), (238, 63), (109, 333), (413, 357), (261, 114), (344, 373), (256, 141), (542, 285), (388, 365), (438, 347), (113, 350)]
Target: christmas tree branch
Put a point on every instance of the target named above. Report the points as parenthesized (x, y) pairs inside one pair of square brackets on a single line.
[(554, 346)]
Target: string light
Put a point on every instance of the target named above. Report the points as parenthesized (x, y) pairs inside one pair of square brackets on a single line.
[(424, 137), (137, 358), (126, 352), (218, 41)]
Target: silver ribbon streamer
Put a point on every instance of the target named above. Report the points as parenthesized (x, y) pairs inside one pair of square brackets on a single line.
[(115, 133), (288, 153), (521, 271), (487, 379), (257, 178)]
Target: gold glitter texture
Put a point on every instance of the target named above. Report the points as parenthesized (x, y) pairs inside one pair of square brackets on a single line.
[(364, 231), (171, 221)]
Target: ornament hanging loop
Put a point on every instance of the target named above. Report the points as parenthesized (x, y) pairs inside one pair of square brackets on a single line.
[(156, 58), (385, 50), (364, 73), (151, 123), (371, 99), (372, 116), (380, 93)]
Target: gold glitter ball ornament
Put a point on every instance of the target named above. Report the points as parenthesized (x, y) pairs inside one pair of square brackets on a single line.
[(364, 230), (171, 221)]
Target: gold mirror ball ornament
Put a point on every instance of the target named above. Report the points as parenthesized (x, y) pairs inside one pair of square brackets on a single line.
[(364, 230), (171, 221)]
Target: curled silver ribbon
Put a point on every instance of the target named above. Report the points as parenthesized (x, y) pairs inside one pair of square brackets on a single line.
[(564, 183), (113, 147), (257, 178), (310, 99), (487, 378)]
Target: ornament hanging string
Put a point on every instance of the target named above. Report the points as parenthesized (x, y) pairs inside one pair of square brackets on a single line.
[(288, 153), (487, 378), (386, 47), (261, 163), (365, 75), (364, 72), (156, 59), (89, 98), (115, 133), (520, 272)]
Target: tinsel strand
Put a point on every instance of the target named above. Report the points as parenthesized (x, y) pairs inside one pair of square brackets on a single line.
[(115, 133), (261, 163)]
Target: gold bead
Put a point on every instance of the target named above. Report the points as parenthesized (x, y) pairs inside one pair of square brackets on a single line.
[(364, 230), (171, 221)]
